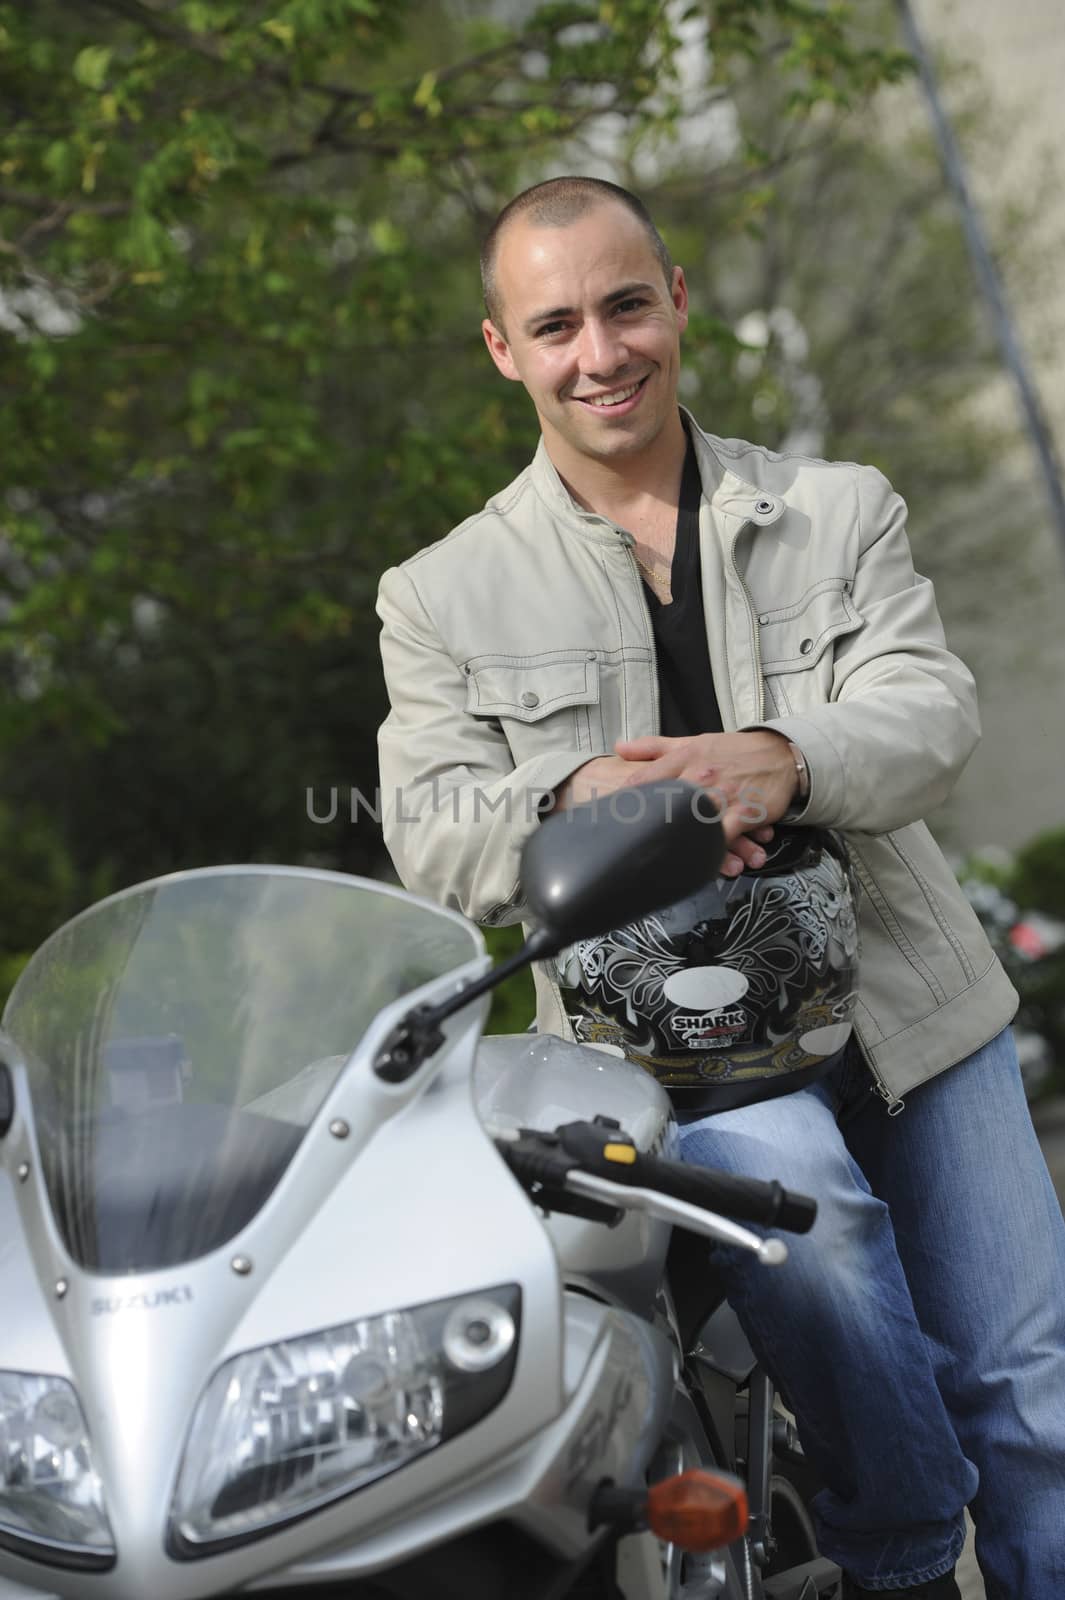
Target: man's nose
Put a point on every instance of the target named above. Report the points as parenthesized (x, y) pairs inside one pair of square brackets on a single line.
[(601, 349)]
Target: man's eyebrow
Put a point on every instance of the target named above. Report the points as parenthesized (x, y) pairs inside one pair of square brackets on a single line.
[(608, 300)]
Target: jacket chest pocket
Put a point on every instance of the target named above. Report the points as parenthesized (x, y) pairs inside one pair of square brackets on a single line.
[(543, 703), (795, 642)]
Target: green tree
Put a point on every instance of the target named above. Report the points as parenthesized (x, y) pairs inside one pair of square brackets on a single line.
[(241, 375)]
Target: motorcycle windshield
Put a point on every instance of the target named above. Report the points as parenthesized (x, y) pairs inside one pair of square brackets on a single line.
[(181, 1036)]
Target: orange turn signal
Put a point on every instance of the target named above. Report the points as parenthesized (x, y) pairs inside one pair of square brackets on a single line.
[(698, 1510)]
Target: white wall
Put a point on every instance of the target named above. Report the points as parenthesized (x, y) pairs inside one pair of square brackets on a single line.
[(1015, 785)]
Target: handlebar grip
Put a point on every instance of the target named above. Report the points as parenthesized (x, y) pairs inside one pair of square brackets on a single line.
[(745, 1199)]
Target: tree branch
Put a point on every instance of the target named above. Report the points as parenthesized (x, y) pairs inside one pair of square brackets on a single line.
[(45, 203), (163, 28)]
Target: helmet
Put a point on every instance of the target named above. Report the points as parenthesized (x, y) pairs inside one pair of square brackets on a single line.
[(743, 990)]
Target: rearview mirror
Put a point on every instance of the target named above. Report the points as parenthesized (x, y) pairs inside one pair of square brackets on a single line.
[(585, 871), (598, 866)]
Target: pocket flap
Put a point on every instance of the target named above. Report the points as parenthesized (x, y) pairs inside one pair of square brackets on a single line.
[(793, 638), (531, 687)]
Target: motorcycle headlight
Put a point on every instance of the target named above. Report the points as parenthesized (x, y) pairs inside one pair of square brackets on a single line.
[(51, 1499), (285, 1429)]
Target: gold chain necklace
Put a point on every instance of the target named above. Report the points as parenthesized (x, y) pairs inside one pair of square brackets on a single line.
[(658, 576), (659, 573)]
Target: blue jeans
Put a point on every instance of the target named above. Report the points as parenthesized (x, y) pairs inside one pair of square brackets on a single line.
[(918, 1332)]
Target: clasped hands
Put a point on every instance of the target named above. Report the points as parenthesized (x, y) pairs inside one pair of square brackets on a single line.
[(751, 776)]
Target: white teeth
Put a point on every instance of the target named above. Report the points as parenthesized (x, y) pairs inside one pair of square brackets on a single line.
[(614, 399)]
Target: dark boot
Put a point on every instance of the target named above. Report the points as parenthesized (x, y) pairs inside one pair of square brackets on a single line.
[(943, 1588)]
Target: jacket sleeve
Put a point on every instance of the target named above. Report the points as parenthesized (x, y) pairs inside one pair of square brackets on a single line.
[(902, 719), (456, 810)]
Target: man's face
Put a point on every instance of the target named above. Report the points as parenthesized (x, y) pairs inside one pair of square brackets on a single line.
[(592, 331)]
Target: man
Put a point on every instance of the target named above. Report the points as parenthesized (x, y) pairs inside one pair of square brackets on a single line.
[(534, 657)]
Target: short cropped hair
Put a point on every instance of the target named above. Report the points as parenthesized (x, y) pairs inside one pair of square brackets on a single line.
[(555, 204)]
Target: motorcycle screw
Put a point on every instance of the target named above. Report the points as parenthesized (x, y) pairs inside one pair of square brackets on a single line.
[(23, 1171), (61, 1287), (241, 1265), (339, 1128)]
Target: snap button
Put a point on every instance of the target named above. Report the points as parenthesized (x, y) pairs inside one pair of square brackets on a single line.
[(590, 656), (529, 699), (467, 669), (763, 620), (806, 646), (763, 507)]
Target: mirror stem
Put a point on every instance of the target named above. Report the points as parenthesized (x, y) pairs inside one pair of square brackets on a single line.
[(414, 1039), (537, 947)]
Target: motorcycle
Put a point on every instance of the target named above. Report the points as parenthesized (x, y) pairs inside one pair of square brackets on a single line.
[(309, 1291), (1030, 946)]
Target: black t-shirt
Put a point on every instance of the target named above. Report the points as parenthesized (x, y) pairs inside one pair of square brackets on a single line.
[(686, 697)]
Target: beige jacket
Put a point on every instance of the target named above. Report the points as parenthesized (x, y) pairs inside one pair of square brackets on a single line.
[(520, 646)]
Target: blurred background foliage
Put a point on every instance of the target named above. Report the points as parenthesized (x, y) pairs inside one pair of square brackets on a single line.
[(1021, 902), (242, 369)]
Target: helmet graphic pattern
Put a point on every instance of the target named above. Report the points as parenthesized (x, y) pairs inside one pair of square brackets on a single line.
[(748, 978)]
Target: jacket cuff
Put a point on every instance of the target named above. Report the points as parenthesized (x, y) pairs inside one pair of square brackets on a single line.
[(824, 764)]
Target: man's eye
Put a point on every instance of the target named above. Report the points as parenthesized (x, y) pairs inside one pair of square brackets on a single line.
[(549, 328), (632, 304)]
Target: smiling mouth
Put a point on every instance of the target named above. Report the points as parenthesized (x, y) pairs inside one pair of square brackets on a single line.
[(616, 397)]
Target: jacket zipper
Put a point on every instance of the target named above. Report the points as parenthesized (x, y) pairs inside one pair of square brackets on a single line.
[(895, 1103), (756, 645), (649, 631)]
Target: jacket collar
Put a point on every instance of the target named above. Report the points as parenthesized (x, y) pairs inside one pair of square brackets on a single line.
[(724, 489), (553, 492), (727, 492)]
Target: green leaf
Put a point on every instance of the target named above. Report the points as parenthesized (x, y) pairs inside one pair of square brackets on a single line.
[(198, 15), (43, 360), (389, 239), (243, 439), (423, 94), (60, 160), (147, 242), (284, 32), (91, 64)]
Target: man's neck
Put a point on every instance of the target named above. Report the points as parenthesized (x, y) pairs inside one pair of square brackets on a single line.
[(640, 493)]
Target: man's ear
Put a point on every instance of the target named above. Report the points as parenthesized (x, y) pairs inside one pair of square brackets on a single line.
[(499, 350), (679, 296)]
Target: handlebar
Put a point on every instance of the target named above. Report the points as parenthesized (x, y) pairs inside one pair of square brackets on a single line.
[(542, 1160), (747, 1199)]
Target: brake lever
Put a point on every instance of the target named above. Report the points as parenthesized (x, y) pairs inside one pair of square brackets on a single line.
[(770, 1252)]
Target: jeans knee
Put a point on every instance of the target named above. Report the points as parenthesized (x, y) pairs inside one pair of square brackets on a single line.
[(823, 1169)]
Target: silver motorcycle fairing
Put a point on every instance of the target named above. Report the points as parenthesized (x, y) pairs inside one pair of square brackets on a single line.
[(140, 1365), (539, 1081), (617, 1379), (349, 1231)]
